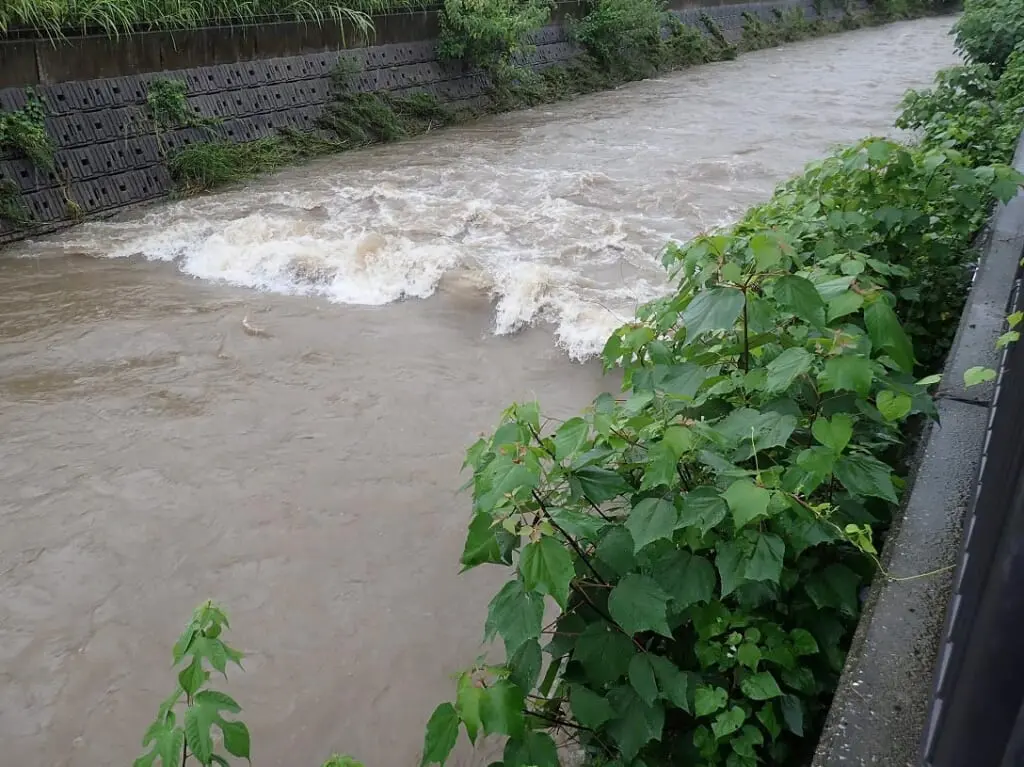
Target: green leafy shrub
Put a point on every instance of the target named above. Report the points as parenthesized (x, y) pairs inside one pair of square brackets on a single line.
[(12, 207), (359, 118), (978, 119), (916, 209), (686, 46), (204, 166), (786, 26), (623, 37), (1010, 91), (706, 535), (961, 112), (490, 33), (167, 106), (200, 649), (989, 30), (23, 131)]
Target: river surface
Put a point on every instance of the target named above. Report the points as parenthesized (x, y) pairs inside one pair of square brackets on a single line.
[(263, 396)]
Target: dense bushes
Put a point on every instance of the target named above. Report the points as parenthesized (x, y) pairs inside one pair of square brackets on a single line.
[(490, 33), (621, 40), (705, 536), (988, 31), (623, 37)]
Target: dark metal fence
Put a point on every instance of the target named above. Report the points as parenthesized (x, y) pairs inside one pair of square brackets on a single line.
[(977, 714)]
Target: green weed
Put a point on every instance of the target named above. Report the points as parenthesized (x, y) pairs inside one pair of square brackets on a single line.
[(24, 132), (12, 207), (58, 18), (204, 166)]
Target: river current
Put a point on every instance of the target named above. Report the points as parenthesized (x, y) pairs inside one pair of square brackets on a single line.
[(263, 395)]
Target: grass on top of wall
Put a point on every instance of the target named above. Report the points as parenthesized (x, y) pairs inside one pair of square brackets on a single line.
[(56, 19)]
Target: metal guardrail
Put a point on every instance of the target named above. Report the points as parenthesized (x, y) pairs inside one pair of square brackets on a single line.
[(976, 715)]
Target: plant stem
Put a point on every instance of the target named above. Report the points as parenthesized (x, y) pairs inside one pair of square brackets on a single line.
[(746, 336), (556, 721), (569, 539), (586, 598)]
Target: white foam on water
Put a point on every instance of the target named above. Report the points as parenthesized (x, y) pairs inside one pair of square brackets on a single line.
[(559, 248), (550, 258)]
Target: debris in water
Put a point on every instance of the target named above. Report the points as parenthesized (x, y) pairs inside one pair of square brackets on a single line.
[(252, 330)]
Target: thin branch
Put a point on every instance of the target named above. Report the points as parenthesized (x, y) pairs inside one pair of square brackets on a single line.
[(556, 721), (569, 539), (682, 477), (746, 335), (595, 507), (540, 442), (606, 616)]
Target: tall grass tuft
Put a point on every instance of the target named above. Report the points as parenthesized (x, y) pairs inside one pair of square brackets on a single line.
[(58, 18), (201, 167)]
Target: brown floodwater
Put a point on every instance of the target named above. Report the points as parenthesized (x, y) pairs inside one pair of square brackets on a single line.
[(263, 396)]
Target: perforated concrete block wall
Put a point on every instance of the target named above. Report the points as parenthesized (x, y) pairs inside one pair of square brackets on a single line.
[(107, 155)]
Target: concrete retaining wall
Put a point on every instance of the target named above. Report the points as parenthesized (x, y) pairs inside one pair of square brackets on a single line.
[(107, 154)]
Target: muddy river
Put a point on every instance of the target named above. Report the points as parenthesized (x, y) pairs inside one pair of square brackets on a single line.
[(263, 396)]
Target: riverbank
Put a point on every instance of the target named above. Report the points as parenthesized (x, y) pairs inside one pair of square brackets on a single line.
[(93, 148)]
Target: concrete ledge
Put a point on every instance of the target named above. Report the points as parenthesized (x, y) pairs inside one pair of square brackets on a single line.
[(881, 707), (26, 59)]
